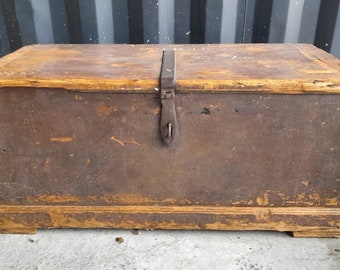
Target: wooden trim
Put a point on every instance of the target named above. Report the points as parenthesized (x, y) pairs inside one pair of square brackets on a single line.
[(302, 221)]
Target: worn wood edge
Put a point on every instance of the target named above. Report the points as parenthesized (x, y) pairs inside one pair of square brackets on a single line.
[(14, 55), (82, 85), (321, 233), (14, 230), (260, 86), (318, 55), (16, 219), (182, 86), (160, 209)]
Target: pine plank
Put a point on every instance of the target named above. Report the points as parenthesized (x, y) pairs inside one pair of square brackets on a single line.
[(271, 68)]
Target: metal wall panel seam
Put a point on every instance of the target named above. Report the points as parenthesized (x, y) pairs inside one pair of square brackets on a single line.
[(182, 29), (166, 22), (24, 13), (120, 26), (278, 21), (326, 24), (150, 21), (335, 47), (88, 21), (4, 43), (59, 22), (293, 21), (229, 20), (104, 21)]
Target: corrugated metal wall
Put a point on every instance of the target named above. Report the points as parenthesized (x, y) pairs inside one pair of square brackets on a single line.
[(25, 22)]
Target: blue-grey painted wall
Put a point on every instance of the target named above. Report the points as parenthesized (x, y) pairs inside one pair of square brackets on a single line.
[(24, 22)]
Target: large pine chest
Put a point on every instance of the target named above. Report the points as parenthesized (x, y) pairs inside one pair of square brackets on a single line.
[(214, 137)]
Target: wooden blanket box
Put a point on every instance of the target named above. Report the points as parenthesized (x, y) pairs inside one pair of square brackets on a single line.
[(199, 137)]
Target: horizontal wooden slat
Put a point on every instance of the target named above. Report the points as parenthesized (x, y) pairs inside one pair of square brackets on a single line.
[(272, 68), (27, 219)]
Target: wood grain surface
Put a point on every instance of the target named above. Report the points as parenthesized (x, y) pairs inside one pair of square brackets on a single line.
[(272, 68)]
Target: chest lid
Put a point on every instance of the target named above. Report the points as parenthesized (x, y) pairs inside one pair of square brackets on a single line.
[(269, 68)]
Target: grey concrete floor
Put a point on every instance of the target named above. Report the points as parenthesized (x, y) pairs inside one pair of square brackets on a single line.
[(123, 249)]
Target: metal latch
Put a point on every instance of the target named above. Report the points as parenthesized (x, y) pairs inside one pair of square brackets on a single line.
[(168, 121)]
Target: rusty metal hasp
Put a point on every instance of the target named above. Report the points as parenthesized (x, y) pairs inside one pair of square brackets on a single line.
[(168, 122)]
